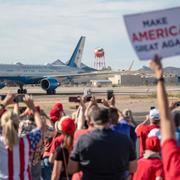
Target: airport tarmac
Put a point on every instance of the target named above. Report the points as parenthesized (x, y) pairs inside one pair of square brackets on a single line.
[(126, 97)]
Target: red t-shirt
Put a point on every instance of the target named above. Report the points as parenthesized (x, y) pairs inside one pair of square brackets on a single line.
[(56, 142), (79, 133), (47, 147), (171, 159), (149, 169), (142, 132)]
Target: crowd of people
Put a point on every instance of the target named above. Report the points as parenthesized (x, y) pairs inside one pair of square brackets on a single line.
[(97, 142)]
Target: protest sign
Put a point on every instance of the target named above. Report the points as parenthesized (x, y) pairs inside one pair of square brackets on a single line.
[(156, 32)]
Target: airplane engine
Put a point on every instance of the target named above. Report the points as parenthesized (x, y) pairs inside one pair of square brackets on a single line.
[(49, 85)]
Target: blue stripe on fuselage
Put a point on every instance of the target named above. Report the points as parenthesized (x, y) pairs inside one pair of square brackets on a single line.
[(22, 79)]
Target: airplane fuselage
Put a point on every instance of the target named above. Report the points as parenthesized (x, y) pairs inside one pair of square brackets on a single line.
[(10, 70)]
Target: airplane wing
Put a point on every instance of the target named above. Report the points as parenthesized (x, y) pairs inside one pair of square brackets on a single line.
[(83, 74)]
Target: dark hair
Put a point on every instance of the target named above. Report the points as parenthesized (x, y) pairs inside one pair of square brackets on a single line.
[(22, 109), (177, 118), (99, 115), (114, 115), (30, 117), (156, 122)]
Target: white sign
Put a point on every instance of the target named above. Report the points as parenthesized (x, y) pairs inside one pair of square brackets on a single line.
[(156, 32)]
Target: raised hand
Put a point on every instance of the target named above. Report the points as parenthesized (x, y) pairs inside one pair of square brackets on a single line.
[(29, 102), (156, 66)]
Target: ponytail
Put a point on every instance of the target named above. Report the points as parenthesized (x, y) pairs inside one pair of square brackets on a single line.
[(9, 123), (68, 141)]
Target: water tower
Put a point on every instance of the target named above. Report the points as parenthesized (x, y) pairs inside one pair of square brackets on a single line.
[(99, 61)]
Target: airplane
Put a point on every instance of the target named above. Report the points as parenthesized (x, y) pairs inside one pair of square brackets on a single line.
[(45, 75)]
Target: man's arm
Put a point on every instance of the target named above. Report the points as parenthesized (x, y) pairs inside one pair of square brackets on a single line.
[(132, 158), (81, 114), (73, 166), (16, 109), (131, 120), (37, 118), (145, 122), (8, 100), (52, 157), (56, 170), (132, 166), (166, 123), (159, 178), (74, 159)]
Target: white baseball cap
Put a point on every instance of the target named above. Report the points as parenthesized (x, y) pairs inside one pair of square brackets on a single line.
[(154, 114)]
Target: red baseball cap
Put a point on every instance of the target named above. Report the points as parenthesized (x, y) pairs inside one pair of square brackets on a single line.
[(153, 143), (66, 125), (55, 112), (58, 106)]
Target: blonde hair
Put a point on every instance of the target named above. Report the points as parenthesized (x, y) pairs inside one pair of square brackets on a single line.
[(68, 141), (10, 123), (68, 138)]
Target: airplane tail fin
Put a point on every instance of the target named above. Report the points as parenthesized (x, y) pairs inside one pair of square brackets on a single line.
[(75, 60)]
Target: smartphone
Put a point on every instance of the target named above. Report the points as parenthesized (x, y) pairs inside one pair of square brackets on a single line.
[(88, 98), (87, 95), (74, 99), (110, 94), (99, 100), (19, 98), (2, 97), (87, 92)]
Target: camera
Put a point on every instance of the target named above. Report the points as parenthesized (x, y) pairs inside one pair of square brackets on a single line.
[(110, 94), (87, 95), (2, 97), (178, 104), (17, 98), (99, 100), (87, 98), (74, 99)]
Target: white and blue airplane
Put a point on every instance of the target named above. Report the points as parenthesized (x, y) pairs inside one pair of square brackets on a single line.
[(45, 75)]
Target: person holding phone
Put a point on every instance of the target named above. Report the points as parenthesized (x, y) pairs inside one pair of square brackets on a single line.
[(15, 150)]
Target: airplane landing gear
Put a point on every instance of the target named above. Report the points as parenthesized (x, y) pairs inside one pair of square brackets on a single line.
[(51, 92), (21, 90)]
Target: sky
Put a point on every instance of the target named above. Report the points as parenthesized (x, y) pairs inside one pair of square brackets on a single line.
[(41, 31)]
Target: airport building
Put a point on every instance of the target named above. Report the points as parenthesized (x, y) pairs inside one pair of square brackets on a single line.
[(101, 83), (132, 78), (126, 80)]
